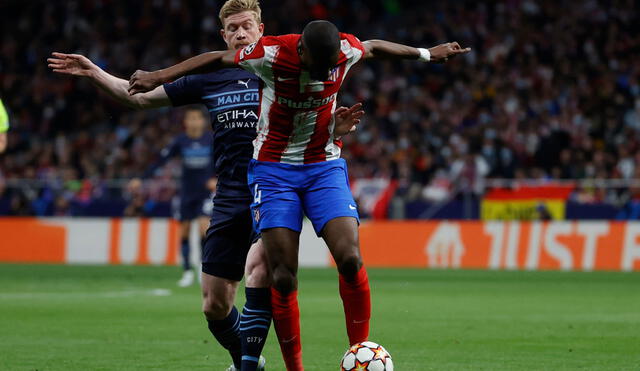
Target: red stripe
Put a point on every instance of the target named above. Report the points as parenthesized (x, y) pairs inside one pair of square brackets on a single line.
[(285, 66), (315, 151)]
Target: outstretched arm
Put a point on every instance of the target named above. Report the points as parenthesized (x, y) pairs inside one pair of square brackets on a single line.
[(79, 65), (387, 50), (142, 81)]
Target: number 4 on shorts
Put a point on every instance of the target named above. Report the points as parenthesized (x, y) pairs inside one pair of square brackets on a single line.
[(257, 195)]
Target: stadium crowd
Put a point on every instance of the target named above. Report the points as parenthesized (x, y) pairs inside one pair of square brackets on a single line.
[(541, 96)]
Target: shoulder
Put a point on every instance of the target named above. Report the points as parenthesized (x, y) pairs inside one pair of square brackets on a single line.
[(232, 74), (350, 41)]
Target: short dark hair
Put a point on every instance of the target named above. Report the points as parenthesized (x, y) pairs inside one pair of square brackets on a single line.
[(322, 40)]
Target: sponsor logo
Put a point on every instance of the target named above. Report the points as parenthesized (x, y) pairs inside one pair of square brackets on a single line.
[(238, 98), (309, 103), (237, 115), (245, 83), (284, 78), (352, 207)]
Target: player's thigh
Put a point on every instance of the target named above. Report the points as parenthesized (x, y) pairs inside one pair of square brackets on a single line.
[(341, 236), (257, 268), (218, 295), (329, 196), (281, 247)]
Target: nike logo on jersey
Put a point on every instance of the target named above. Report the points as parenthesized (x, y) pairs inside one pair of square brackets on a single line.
[(352, 207), (245, 83), (285, 78)]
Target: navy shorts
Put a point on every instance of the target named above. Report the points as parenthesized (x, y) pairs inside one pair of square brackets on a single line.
[(230, 233), (190, 208), (282, 192)]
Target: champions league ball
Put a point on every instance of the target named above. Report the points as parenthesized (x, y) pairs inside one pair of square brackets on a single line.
[(367, 356)]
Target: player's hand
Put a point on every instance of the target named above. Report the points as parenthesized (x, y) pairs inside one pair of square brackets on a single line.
[(443, 52), (347, 119), (71, 64), (143, 81)]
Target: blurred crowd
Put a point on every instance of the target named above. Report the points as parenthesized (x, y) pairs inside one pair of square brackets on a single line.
[(551, 90)]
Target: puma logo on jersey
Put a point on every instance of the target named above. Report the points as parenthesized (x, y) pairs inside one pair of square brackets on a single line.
[(245, 83)]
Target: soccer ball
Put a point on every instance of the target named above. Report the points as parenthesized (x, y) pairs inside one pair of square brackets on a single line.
[(366, 356)]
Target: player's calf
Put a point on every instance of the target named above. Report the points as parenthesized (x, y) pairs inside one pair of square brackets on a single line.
[(223, 319), (256, 314)]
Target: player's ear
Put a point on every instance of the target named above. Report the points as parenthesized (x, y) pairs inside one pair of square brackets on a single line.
[(222, 32), (261, 28)]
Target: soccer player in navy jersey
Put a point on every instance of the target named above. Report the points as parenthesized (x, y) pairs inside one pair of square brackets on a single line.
[(231, 96), (296, 166), (197, 181)]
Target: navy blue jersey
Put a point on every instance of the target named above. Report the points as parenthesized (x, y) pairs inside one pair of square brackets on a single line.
[(197, 163), (232, 97)]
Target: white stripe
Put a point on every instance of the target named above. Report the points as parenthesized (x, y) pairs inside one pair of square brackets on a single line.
[(265, 72), (353, 54), (331, 150), (304, 123)]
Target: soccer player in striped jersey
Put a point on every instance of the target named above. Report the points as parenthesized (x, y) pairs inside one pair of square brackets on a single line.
[(296, 166), (231, 247)]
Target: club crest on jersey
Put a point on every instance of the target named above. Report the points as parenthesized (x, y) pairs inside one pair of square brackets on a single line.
[(334, 74), (248, 49)]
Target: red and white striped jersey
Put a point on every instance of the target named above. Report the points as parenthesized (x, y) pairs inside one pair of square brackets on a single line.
[(296, 113)]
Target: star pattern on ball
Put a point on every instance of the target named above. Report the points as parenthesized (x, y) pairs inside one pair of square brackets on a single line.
[(360, 366), (380, 354)]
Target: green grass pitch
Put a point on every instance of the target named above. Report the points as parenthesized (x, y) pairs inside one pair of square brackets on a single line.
[(135, 318)]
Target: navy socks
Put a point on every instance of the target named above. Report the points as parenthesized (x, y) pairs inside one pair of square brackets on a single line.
[(227, 332), (185, 252), (254, 325)]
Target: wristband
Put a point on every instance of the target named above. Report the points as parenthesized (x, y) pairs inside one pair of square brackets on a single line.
[(425, 55)]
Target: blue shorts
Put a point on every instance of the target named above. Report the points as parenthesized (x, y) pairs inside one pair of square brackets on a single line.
[(282, 192)]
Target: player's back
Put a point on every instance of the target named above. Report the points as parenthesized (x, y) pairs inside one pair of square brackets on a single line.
[(296, 118)]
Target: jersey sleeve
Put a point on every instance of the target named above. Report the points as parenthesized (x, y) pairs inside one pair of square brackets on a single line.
[(352, 48), (185, 90), (252, 57), (4, 119)]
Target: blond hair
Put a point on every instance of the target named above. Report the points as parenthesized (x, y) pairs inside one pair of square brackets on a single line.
[(232, 7)]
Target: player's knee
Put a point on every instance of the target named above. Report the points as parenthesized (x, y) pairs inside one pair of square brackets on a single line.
[(349, 265), (284, 280), (257, 275), (215, 308)]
